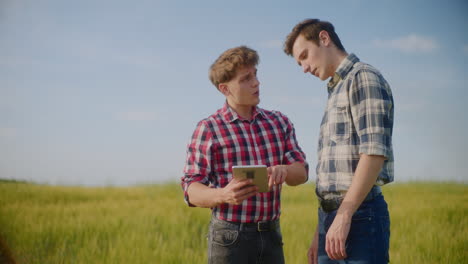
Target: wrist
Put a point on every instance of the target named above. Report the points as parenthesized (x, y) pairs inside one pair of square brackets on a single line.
[(345, 213), (219, 196), (343, 217)]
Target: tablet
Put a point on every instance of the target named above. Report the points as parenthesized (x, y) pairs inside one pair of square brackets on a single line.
[(258, 174)]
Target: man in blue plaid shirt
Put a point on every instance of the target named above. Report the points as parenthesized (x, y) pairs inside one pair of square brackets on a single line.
[(355, 155)]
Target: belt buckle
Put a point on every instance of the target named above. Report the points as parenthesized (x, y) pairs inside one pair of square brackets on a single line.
[(263, 226), (329, 205)]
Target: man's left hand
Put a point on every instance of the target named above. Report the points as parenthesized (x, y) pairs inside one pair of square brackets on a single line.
[(277, 175), (335, 243)]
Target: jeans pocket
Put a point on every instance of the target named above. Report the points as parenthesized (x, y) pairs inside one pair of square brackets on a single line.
[(360, 241), (225, 237), (361, 228)]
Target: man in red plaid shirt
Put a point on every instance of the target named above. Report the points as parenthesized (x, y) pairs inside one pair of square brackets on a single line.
[(244, 227)]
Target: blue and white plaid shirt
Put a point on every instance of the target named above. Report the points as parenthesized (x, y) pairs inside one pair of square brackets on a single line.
[(358, 119)]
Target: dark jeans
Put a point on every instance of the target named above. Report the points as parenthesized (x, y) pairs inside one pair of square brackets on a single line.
[(232, 243), (369, 235)]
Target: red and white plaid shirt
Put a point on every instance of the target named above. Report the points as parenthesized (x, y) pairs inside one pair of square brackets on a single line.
[(223, 140)]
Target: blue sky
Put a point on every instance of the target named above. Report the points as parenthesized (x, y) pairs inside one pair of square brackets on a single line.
[(109, 92)]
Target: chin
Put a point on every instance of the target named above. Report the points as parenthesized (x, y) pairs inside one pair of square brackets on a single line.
[(323, 78)]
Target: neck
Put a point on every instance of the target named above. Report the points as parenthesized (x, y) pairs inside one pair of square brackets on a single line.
[(338, 58)]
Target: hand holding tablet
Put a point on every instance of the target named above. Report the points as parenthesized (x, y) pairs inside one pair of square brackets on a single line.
[(258, 174)]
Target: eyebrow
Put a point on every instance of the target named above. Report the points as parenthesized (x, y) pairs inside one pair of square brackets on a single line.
[(248, 73), (245, 76)]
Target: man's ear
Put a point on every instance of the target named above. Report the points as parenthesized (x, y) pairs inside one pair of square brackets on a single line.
[(223, 88), (324, 38)]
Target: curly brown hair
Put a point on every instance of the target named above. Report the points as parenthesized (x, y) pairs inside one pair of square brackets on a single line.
[(229, 62)]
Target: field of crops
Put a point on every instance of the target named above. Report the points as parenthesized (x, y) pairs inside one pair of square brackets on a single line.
[(152, 224)]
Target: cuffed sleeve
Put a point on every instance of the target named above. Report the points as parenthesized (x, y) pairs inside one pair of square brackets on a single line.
[(372, 111), (198, 161)]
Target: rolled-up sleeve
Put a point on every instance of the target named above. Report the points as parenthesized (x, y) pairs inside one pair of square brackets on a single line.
[(198, 161), (372, 111)]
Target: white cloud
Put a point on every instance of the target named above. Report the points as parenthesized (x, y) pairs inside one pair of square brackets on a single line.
[(412, 43), (136, 116)]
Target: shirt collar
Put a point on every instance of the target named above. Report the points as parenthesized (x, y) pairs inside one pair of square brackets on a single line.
[(343, 69), (230, 115)]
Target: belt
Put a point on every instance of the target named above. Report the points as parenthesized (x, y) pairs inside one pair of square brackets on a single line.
[(261, 226), (333, 204)]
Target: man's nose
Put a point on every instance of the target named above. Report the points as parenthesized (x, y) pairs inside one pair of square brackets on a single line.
[(257, 82), (305, 68)]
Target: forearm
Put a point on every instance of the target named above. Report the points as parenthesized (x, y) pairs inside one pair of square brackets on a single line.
[(201, 195), (297, 174), (364, 178)]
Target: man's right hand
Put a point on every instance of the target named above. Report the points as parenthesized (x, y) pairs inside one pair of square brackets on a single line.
[(237, 191), (312, 254)]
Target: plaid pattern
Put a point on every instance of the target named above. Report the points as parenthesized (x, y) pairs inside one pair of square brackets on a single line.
[(358, 119), (223, 140)]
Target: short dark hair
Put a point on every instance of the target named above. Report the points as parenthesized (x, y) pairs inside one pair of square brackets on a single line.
[(310, 29), (229, 62)]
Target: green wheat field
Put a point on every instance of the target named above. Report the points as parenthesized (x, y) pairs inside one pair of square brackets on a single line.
[(152, 224)]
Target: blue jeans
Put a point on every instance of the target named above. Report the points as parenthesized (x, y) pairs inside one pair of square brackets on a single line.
[(368, 238), (232, 243)]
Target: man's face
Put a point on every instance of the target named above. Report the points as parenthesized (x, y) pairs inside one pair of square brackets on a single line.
[(312, 58), (243, 89)]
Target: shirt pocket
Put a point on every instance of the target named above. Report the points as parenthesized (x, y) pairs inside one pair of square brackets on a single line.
[(339, 123)]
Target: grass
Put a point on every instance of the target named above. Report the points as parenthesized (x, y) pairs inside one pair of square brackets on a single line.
[(152, 224)]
